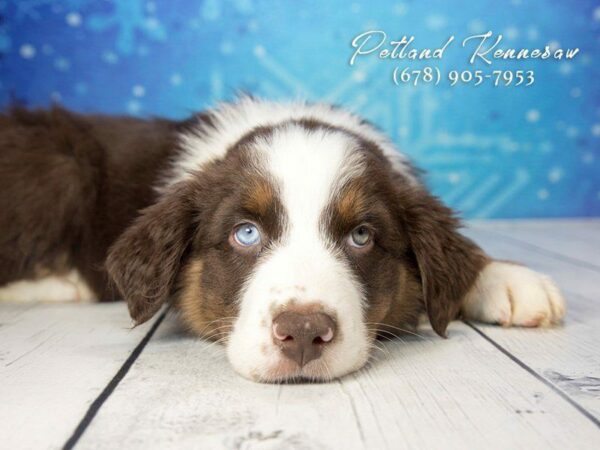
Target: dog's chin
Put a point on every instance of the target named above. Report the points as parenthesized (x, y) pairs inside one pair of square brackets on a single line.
[(287, 371), (284, 370)]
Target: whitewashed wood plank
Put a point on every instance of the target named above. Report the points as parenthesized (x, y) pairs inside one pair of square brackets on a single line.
[(567, 356), (423, 393), (54, 361), (575, 239)]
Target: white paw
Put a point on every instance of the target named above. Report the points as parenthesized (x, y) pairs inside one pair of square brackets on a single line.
[(513, 295)]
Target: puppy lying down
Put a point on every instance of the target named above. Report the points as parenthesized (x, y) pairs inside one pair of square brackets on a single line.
[(294, 232)]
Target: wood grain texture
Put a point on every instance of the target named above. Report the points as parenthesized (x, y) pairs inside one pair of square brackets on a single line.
[(54, 361), (568, 356), (574, 239), (420, 393)]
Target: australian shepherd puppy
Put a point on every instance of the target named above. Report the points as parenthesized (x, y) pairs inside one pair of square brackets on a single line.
[(297, 232)]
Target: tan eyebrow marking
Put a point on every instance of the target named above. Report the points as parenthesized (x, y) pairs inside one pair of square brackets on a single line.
[(351, 202), (260, 196)]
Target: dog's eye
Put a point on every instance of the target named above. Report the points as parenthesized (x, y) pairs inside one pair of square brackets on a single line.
[(247, 235), (360, 237)]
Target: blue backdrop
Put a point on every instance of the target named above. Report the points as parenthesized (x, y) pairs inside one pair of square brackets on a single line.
[(489, 151)]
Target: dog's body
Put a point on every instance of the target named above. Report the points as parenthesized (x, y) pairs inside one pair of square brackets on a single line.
[(296, 232), (69, 185)]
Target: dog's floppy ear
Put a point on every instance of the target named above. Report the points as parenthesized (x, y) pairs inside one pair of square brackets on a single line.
[(144, 261), (448, 262)]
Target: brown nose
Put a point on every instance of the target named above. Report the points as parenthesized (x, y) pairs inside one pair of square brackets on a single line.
[(302, 336)]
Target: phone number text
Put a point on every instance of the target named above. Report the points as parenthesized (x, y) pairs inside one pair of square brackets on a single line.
[(433, 75)]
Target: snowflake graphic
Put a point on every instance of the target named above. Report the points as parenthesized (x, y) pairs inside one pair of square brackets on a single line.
[(129, 17)]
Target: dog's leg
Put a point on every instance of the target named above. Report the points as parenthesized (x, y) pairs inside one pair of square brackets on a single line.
[(69, 287), (513, 295)]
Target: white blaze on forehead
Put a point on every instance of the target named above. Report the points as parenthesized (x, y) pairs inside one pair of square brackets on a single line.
[(309, 167), (229, 122)]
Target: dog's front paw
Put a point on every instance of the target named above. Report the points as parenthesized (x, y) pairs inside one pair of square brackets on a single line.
[(513, 295)]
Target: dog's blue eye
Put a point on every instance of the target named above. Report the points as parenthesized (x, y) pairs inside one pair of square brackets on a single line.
[(360, 237), (247, 235)]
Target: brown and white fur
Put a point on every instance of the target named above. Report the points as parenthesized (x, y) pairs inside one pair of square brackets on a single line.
[(150, 211)]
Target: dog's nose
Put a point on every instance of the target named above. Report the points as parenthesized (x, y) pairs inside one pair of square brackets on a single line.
[(302, 336)]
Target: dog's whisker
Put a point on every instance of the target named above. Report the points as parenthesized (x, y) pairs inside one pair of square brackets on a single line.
[(226, 328), (404, 330), (214, 345), (224, 319), (386, 335), (383, 336), (373, 354), (381, 348)]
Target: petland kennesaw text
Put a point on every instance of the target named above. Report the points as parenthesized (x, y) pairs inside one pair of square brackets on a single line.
[(485, 47)]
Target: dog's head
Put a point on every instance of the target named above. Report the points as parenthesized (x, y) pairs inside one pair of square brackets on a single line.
[(295, 240)]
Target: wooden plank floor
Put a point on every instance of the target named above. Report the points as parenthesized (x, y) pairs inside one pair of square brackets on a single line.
[(55, 360), (76, 375)]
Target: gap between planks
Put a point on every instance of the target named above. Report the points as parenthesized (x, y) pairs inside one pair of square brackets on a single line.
[(535, 374), (112, 384), (553, 348)]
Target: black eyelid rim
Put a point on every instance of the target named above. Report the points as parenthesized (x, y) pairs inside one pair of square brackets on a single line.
[(368, 225), (245, 222)]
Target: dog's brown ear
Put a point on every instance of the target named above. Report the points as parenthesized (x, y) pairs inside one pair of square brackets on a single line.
[(448, 262), (144, 261)]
